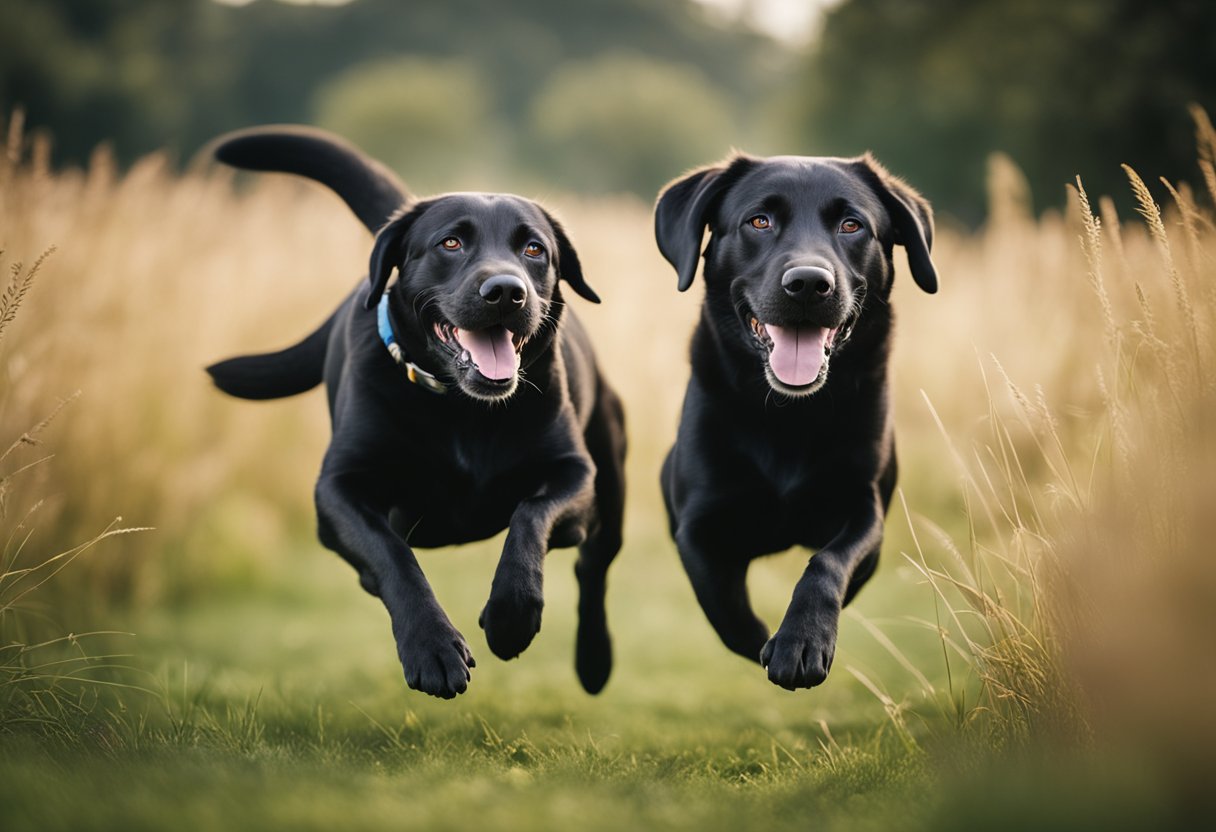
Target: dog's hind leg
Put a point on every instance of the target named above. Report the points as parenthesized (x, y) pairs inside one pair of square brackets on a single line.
[(720, 584), (606, 443)]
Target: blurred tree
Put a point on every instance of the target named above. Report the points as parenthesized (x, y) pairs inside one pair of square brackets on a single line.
[(147, 74), (934, 86), (628, 123), (133, 73), (429, 119)]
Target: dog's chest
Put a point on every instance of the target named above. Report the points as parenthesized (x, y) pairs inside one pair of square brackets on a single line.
[(470, 471), (794, 475), (786, 467), (468, 462), (799, 491), (462, 489)]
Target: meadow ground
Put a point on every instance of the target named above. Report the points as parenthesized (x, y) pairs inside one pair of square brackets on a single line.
[(251, 683)]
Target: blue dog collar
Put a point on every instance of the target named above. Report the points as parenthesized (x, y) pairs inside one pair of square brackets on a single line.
[(413, 372)]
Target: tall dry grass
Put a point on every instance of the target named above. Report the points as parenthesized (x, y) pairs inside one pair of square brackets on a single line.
[(48, 681), (1078, 602), (156, 276)]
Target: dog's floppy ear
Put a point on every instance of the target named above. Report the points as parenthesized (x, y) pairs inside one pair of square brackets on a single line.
[(684, 209), (911, 219), (388, 252), (567, 263)]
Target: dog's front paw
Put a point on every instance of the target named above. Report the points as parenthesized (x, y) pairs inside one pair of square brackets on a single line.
[(436, 661), (511, 618), (800, 656)]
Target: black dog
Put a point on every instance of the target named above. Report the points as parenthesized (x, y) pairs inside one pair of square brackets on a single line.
[(798, 273), (459, 406)]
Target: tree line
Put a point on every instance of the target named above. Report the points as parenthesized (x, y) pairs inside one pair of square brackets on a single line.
[(620, 95)]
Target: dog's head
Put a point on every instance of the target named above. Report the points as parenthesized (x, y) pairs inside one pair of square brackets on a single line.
[(477, 296), (799, 252)]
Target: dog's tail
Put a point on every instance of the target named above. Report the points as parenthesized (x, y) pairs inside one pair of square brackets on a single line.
[(371, 190), (274, 375)]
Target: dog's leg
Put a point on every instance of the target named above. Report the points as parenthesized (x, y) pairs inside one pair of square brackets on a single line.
[(352, 522), (801, 652), (511, 617), (719, 580), (606, 444)]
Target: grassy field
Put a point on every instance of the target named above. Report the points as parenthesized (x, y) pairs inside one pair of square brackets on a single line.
[(1033, 650)]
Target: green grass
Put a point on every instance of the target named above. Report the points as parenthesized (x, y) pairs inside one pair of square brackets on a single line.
[(283, 706)]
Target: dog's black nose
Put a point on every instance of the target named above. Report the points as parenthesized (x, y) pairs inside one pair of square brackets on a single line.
[(505, 289), (808, 282)]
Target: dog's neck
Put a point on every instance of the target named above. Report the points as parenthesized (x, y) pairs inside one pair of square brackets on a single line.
[(413, 372)]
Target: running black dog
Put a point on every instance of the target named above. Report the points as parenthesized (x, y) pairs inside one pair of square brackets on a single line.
[(798, 273), (464, 398)]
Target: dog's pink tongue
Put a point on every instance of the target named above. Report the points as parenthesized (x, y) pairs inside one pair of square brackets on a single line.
[(491, 350), (798, 352)]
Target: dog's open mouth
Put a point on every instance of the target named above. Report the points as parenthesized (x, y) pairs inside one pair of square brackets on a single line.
[(798, 354), (493, 351)]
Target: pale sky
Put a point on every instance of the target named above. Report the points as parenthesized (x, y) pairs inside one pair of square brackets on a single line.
[(794, 21)]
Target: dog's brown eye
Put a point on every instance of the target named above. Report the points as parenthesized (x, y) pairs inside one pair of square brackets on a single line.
[(850, 226), (761, 222), (451, 244), (534, 249)]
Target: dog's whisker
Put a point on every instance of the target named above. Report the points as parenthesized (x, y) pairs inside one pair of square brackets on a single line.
[(529, 382), (424, 299)]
